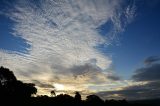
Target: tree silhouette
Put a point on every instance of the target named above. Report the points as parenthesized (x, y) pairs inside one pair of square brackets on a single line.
[(10, 86), (53, 93), (64, 99), (6, 76), (77, 96), (94, 100)]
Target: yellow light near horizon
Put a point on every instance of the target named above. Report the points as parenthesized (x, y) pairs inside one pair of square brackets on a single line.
[(59, 86)]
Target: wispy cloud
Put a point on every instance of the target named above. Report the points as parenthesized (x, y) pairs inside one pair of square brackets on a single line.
[(63, 37)]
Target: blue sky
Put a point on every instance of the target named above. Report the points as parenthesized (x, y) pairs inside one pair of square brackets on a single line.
[(139, 40), (99, 44), (8, 41)]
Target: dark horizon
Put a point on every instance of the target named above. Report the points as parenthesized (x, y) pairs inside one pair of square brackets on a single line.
[(15, 92)]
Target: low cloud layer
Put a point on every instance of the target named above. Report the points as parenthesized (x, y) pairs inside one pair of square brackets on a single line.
[(151, 70), (150, 73), (63, 37), (147, 87), (151, 59), (136, 92)]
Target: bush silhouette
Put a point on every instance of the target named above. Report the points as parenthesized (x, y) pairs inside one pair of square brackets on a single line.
[(94, 100)]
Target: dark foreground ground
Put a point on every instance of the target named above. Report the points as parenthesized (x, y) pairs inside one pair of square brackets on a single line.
[(66, 100)]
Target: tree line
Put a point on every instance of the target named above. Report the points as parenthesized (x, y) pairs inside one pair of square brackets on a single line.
[(17, 93)]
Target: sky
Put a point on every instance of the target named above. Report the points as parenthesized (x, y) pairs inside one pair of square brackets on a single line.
[(105, 47)]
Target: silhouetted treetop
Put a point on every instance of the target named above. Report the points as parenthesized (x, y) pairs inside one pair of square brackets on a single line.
[(53, 93), (94, 100), (6, 75), (77, 96), (10, 86)]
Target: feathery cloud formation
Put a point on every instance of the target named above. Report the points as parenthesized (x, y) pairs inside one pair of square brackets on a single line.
[(63, 37)]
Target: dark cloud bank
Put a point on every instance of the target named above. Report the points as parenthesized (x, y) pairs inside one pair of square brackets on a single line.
[(150, 90), (151, 59)]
